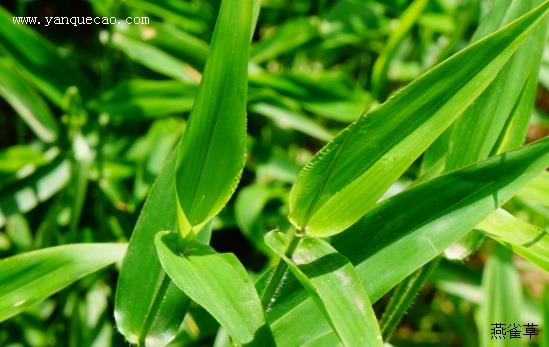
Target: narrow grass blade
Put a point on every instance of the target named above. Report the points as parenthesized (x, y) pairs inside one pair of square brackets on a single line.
[(416, 225), (135, 100), (537, 190), (28, 278), (408, 18), (28, 104), (220, 284), (149, 308), (348, 175), (215, 138), (334, 285), (527, 240), (502, 304), (153, 58), (40, 60)]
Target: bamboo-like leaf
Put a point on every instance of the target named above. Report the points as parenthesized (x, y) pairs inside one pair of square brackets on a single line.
[(215, 138), (349, 174), (220, 284), (39, 59), (503, 302), (29, 105), (527, 240), (416, 225), (28, 278), (149, 308), (334, 285)]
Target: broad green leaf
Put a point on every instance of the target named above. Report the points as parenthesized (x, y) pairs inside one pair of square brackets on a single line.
[(24, 195), (503, 301), (28, 278), (149, 308), (153, 58), (133, 100), (334, 285), (381, 66), (527, 240), (215, 139), (40, 61), (348, 175), (416, 225), (219, 283), (286, 118), (29, 105)]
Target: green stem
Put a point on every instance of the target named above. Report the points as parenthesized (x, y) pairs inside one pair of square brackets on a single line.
[(402, 298), (277, 278)]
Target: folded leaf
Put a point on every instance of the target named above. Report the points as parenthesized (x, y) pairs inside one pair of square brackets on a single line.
[(215, 138), (348, 175), (416, 225), (527, 240), (219, 283), (149, 308), (334, 285), (27, 278)]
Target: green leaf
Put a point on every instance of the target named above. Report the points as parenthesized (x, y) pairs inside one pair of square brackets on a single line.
[(133, 100), (527, 240), (219, 283), (215, 138), (153, 58), (537, 190), (334, 285), (381, 66), (416, 225), (149, 308), (286, 118), (545, 310), (28, 278), (510, 91), (503, 300), (348, 175), (40, 61), (29, 105)]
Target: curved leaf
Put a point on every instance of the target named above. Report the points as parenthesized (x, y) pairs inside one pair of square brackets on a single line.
[(219, 283), (416, 225), (27, 278), (334, 285), (211, 155), (349, 174)]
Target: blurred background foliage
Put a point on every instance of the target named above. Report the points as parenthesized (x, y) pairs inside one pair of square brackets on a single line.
[(89, 114)]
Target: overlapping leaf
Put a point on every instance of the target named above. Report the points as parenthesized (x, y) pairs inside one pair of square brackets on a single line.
[(348, 175)]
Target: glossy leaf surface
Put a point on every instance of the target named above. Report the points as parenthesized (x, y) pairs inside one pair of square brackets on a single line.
[(214, 141), (349, 174), (219, 283), (334, 285)]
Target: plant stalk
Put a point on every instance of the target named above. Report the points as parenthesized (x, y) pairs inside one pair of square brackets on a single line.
[(403, 297), (277, 278)]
